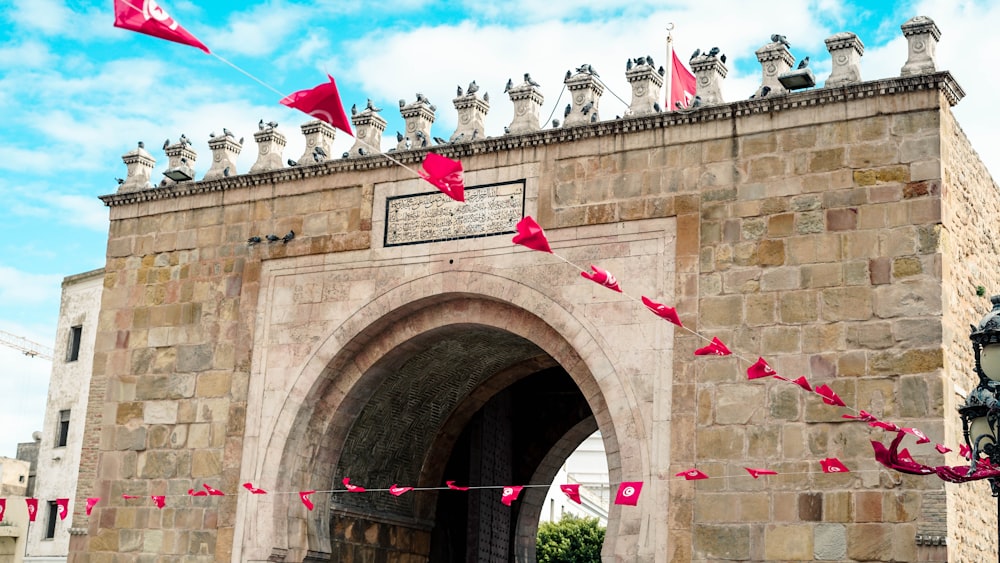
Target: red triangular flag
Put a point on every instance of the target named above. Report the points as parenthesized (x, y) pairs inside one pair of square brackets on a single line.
[(964, 451), (194, 493), (833, 465), (715, 348), (445, 174), (91, 502), (213, 492), (683, 85), (352, 488), (760, 369), (661, 310), (3, 508), (32, 504), (921, 437), (396, 491), (159, 500), (756, 472), (803, 383), (62, 506), (531, 235), (151, 19), (884, 425), (628, 493), (603, 277), (510, 494), (862, 416), (572, 491), (304, 495), (253, 490), (128, 497), (829, 397), (323, 103), (454, 487), (692, 474), (942, 448)]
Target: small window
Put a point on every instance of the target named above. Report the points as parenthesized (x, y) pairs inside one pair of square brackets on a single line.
[(20, 478), (50, 525), (63, 431), (73, 349)]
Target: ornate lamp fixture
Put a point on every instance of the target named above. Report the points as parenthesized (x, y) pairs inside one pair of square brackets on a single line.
[(981, 412)]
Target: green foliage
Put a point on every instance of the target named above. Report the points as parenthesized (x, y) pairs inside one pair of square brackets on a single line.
[(570, 540)]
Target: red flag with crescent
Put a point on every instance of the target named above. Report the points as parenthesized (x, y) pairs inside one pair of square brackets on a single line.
[(352, 488), (159, 500), (833, 465), (571, 490), (692, 474), (454, 487), (760, 369), (146, 16), (921, 437), (304, 495), (91, 502), (32, 504), (510, 494), (62, 506), (603, 277), (195, 493), (3, 508), (253, 490), (829, 396), (714, 348), (213, 492), (941, 448), (628, 493), (396, 490), (445, 174), (323, 103), (661, 310), (803, 383), (863, 416), (756, 472), (530, 234)]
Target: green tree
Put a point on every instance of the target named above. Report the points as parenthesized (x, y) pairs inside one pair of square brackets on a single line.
[(570, 540)]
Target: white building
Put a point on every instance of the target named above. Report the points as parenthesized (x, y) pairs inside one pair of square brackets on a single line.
[(587, 466), (65, 410)]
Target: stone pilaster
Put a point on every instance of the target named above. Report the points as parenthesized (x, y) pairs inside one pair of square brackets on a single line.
[(845, 52), (922, 35), (472, 112), (139, 165), (225, 149), (419, 117), (527, 100), (709, 72), (368, 129), (270, 144), (318, 134), (646, 84), (181, 158), (775, 60), (585, 92)]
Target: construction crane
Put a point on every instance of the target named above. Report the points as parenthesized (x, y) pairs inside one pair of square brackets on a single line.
[(25, 346)]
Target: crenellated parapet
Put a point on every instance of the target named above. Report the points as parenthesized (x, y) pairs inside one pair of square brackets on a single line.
[(709, 70), (527, 99), (472, 112), (180, 165), (646, 84), (845, 54), (139, 165), (585, 92), (270, 144), (922, 36), (775, 60), (319, 140), (224, 149), (419, 117)]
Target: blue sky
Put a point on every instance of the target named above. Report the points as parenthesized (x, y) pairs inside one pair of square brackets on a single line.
[(77, 93)]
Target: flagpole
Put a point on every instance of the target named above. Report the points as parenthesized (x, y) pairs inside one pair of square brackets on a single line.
[(669, 63)]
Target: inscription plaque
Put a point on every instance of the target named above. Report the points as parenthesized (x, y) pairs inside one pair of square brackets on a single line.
[(491, 209)]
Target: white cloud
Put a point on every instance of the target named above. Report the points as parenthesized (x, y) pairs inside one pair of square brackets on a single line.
[(55, 18), (260, 30), (17, 286)]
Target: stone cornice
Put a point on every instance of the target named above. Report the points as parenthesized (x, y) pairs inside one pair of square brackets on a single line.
[(941, 81)]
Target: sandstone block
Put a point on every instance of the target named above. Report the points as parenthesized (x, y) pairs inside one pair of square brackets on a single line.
[(869, 542), (797, 307), (722, 542), (830, 542), (846, 304), (788, 542)]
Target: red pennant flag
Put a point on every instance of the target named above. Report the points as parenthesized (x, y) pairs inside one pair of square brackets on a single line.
[(572, 491), (803, 383), (921, 437), (445, 174), (304, 495), (756, 472), (683, 85), (91, 502), (195, 493), (829, 397), (661, 310), (159, 500), (602, 277), (396, 491), (862, 416), (62, 506), (883, 425), (510, 494), (715, 348), (454, 487), (942, 448), (760, 369), (3, 508), (352, 488), (833, 465), (129, 497), (151, 19), (692, 474), (213, 492), (964, 451), (32, 508), (253, 490), (531, 235), (323, 103), (628, 493)]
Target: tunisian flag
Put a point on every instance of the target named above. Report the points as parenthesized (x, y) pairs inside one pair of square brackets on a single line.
[(683, 85), (323, 103), (146, 16)]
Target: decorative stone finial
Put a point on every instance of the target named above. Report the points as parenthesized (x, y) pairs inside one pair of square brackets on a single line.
[(418, 116), (225, 149), (180, 164), (319, 135), (471, 115), (709, 70), (139, 164), (922, 35), (845, 51), (527, 99), (646, 84), (270, 144), (368, 129), (775, 60), (585, 91)]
